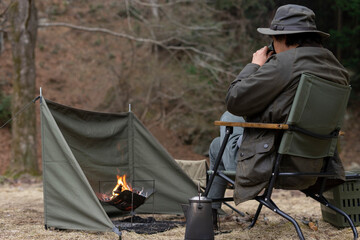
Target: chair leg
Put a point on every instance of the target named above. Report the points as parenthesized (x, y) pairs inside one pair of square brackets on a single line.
[(234, 209), (228, 132), (321, 199), (296, 225), (268, 192), (347, 217), (256, 216), (271, 205)]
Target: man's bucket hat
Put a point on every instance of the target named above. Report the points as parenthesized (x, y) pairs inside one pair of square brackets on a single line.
[(291, 19)]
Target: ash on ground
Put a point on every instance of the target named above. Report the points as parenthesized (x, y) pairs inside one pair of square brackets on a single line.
[(147, 225)]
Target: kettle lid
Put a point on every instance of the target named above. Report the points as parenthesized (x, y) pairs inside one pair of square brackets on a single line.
[(200, 199)]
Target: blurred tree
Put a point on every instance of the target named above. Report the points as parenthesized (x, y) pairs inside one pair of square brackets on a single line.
[(190, 52), (22, 17), (345, 38), (178, 57), (341, 19)]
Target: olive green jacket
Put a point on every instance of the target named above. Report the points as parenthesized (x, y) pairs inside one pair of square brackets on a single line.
[(265, 94)]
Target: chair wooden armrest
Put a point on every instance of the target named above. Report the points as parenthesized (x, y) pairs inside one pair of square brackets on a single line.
[(252, 125), (259, 125)]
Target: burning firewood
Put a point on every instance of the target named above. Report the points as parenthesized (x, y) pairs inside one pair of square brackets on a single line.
[(123, 196)]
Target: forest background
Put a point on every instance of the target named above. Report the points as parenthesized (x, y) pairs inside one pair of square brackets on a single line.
[(172, 60)]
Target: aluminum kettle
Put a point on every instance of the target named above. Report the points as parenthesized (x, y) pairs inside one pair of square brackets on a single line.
[(199, 219)]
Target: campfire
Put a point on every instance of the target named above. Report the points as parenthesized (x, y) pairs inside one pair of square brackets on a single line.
[(123, 196)]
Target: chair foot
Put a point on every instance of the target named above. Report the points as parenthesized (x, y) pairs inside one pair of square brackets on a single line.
[(353, 228), (293, 221), (321, 199), (256, 216), (271, 205)]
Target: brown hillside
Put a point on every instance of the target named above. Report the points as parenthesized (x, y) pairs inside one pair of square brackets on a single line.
[(89, 70)]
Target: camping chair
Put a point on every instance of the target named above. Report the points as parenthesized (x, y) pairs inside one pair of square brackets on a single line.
[(311, 131)]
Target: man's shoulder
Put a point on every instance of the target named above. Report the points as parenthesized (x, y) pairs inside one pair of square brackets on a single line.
[(315, 52), (301, 51)]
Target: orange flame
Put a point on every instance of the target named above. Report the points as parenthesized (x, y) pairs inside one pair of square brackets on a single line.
[(122, 184)]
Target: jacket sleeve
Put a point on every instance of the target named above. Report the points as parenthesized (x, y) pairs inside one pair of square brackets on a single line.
[(256, 87)]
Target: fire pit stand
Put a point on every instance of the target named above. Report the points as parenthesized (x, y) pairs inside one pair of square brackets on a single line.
[(127, 200)]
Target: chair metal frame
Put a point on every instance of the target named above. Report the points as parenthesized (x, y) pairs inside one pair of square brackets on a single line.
[(265, 198)]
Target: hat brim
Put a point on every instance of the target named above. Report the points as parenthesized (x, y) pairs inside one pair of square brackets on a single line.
[(268, 31)]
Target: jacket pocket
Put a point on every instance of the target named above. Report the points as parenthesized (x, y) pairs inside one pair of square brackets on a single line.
[(255, 162)]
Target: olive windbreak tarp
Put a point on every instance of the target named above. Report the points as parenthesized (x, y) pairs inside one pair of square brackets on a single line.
[(82, 154)]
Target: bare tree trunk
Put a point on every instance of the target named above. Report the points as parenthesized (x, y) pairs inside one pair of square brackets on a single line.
[(23, 23)]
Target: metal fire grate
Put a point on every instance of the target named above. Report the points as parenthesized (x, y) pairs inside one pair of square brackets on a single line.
[(126, 200)]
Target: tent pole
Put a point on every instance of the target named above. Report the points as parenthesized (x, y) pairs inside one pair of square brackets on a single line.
[(40, 94)]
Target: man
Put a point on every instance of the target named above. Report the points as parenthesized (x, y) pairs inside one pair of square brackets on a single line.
[(228, 161), (264, 91)]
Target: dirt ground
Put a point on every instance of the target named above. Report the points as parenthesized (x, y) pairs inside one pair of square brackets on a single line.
[(21, 211), (21, 205)]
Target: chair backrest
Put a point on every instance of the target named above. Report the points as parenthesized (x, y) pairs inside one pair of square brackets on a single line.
[(319, 107)]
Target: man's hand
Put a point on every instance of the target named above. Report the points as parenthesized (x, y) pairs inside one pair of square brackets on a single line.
[(261, 55)]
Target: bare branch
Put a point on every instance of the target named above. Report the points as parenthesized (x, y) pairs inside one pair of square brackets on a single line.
[(99, 30), (194, 28), (179, 40), (130, 37), (177, 23), (217, 69), (164, 4), (214, 57), (3, 16), (147, 23), (128, 15), (6, 8)]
